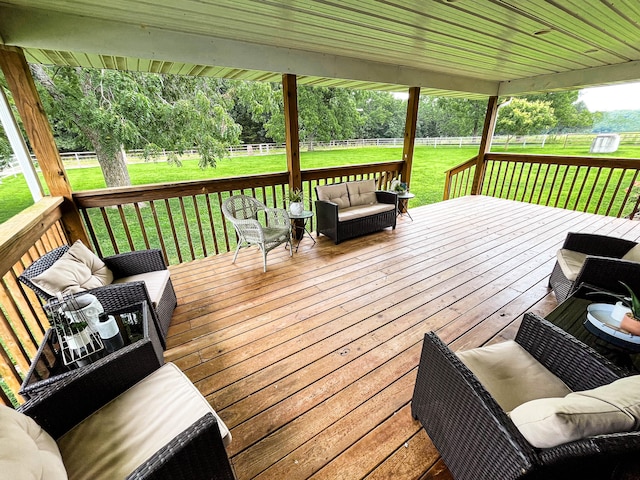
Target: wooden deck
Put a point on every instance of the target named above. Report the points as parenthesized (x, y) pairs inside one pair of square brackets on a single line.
[(312, 364)]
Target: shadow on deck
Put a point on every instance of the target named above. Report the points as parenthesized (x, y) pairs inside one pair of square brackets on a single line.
[(312, 364)]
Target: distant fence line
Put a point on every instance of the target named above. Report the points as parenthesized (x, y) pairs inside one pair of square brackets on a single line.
[(566, 140)]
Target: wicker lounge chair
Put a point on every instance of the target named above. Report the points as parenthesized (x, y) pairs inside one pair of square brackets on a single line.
[(151, 423), (118, 295), (243, 212), (597, 260), (479, 440)]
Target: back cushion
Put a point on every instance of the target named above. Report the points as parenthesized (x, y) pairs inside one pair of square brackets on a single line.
[(336, 193), (27, 452), (362, 192), (77, 270)]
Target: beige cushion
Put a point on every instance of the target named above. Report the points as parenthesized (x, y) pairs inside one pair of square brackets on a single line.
[(549, 422), (27, 452), (362, 192), (571, 263), (511, 374), (155, 282), (352, 213), (119, 437), (336, 193), (633, 254), (77, 270)]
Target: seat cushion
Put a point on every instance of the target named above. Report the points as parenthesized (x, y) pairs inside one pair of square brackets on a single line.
[(119, 437), (571, 262), (155, 282), (633, 254), (548, 422), (501, 368), (77, 270), (351, 213), (336, 193), (27, 452), (362, 192)]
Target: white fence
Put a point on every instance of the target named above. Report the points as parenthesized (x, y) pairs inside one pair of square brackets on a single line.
[(88, 159)]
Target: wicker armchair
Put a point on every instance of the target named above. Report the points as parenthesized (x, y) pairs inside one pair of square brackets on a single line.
[(603, 267), (198, 452), (118, 295), (243, 212), (478, 440)]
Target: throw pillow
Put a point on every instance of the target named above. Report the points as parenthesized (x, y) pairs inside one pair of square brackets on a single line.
[(549, 422), (77, 270), (633, 254)]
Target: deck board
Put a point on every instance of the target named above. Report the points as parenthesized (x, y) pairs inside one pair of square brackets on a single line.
[(312, 364)]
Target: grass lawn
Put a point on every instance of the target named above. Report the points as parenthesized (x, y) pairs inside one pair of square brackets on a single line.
[(427, 181)]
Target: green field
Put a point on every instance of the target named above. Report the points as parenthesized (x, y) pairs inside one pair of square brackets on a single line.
[(427, 181)]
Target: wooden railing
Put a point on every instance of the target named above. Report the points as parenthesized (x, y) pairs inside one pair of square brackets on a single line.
[(602, 185), (23, 239), (184, 219)]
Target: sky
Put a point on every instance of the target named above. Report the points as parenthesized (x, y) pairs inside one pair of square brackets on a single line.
[(613, 97)]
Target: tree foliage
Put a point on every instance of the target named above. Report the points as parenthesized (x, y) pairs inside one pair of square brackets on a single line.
[(108, 111), (521, 117), (571, 114), (382, 115)]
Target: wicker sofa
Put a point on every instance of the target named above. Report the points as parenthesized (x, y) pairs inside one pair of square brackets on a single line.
[(479, 437), (350, 209), (124, 416)]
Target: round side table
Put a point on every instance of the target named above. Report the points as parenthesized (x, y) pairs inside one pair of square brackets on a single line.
[(301, 229), (403, 204)]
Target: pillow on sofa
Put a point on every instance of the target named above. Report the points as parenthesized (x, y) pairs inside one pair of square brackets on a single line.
[(548, 422), (77, 270), (336, 193), (26, 450), (362, 192), (571, 263)]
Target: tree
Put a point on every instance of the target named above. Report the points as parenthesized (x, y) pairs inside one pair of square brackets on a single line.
[(109, 111), (324, 114), (572, 115), (461, 117), (5, 150), (383, 115), (522, 117)]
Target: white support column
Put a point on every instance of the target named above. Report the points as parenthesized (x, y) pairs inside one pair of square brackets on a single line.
[(19, 147)]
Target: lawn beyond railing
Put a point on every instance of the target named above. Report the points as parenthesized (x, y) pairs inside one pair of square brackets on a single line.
[(606, 186)]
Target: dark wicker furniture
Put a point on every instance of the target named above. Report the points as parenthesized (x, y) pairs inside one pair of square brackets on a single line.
[(477, 439), (328, 224), (117, 296), (603, 268), (197, 453)]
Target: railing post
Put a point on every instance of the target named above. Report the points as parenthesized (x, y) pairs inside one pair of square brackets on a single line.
[(16, 71), (410, 133), (485, 144)]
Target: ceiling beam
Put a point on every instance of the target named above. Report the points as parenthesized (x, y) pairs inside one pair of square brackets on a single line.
[(32, 28), (573, 80)]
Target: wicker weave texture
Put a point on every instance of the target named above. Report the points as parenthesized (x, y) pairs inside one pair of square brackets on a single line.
[(476, 438)]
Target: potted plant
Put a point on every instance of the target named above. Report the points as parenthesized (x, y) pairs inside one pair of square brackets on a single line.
[(631, 320), (295, 202), (398, 186)]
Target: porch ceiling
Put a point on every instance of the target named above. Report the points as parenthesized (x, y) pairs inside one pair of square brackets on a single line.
[(471, 48)]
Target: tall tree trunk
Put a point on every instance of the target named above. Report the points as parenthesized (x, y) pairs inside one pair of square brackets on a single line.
[(114, 166)]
